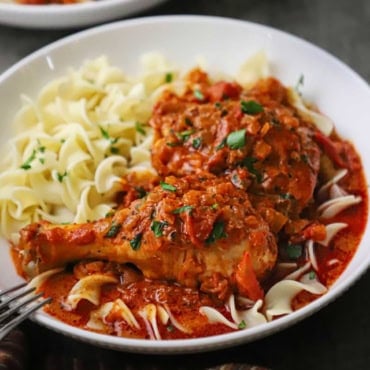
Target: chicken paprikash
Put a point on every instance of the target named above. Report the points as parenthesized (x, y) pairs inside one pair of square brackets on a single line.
[(249, 194)]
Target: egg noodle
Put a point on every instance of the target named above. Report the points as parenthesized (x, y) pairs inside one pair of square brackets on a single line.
[(76, 140)]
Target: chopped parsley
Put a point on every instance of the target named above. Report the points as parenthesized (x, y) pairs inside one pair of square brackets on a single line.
[(172, 144), (221, 145), (106, 136), (139, 128), (157, 227), (188, 121), (182, 209), (294, 251), (184, 135), (236, 139), (214, 206), (135, 242), (140, 191), (42, 160), (299, 84), (312, 275), (170, 328), (287, 196), (304, 158), (61, 176), (27, 164), (113, 230), (167, 187), (218, 105), (251, 107), (104, 133), (169, 77), (197, 143), (242, 325), (249, 163), (218, 232), (198, 94)]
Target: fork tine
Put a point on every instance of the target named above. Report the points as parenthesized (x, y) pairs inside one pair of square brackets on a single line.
[(16, 296), (24, 315), (12, 289), (15, 308)]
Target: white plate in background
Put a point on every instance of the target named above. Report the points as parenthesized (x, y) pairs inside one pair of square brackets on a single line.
[(52, 16), (225, 44)]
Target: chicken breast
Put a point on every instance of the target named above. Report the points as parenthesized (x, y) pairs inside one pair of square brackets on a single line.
[(200, 231)]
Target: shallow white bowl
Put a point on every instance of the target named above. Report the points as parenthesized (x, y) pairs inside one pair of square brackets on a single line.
[(225, 44), (72, 15)]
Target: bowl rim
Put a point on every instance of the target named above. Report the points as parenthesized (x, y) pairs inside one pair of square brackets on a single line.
[(63, 9), (218, 341)]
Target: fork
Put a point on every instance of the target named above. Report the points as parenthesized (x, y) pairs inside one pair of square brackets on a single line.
[(14, 309)]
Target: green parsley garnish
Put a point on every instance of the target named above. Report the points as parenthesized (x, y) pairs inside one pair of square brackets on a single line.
[(242, 325), (168, 77), (214, 206), (170, 328), (293, 251), (218, 232), (182, 209), (198, 94), (299, 84), (112, 141), (157, 227), (197, 143), (249, 163), (41, 149), (167, 187), (287, 196), (104, 133), (61, 176), (141, 192), (218, 105), (184, 135), (188, 121), (304, 158), (312, 275), (172, 145), (113, 231), (42, 160), (139, 128), (135, 242), (27, 164), (251, 107), (221, 145), (236, 139)]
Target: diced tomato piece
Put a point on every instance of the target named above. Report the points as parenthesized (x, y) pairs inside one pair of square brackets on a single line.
[(223, 90), (246, 279)]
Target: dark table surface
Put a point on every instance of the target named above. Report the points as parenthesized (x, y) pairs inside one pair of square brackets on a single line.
[(337, 337)]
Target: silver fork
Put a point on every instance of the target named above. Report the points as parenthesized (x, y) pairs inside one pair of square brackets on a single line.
[(17, 304)]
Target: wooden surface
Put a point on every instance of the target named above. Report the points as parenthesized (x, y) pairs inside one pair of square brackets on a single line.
[(338, 337)]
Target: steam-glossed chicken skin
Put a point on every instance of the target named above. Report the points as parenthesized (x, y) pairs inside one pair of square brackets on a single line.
[(255, 137), (199, 231)]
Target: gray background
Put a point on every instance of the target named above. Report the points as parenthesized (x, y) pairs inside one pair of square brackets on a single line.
[(338, 337)]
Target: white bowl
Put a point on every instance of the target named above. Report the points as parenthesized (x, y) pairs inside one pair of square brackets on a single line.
[(72, 15), (338, 91)]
